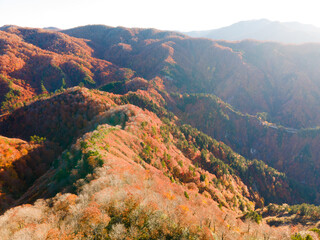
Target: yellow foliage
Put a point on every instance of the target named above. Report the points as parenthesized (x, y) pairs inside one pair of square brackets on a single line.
[(24, 151), (170, 196), (206, 181), (184, 208)]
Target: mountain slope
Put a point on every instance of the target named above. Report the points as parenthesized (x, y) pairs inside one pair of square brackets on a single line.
[(21, 163), (127, 177), (294, 152), (36, 61), (97, 131), (277, 81), (252, 76), (87, 109)]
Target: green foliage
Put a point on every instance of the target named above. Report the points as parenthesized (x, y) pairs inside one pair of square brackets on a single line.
[(202, 177), (91, 160), (219, 166), (204, 154), (192, 170), (88, 80), (223, 160), (147, 153), (186, 194), (114, 87), (43, 88), (163, 163), (253, 216), (165, 133), (10, 101), (166, 156), (63, 84), (83, 161), (306, 210), (154, 130), (298, 236), (52, 75), (316, 230), (78, 163), (302, 213), (144, 124), (263, 116), (84, 145), (200, 139), (37, 139)]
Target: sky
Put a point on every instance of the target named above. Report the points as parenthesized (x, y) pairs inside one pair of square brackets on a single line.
[(180, 15)]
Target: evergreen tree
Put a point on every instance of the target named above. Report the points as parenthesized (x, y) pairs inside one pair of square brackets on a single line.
[(63, 84), (43, 88)]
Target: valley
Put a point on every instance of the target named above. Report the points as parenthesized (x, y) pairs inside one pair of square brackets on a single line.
[(129, 133)]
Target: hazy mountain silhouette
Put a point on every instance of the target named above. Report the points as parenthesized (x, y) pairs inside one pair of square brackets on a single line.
[(264, 30), (52, 28)]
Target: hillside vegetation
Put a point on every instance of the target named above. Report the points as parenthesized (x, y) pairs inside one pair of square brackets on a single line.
[(133, 175), (116, 133)]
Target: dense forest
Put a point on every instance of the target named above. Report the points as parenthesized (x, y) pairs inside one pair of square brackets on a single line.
[(117, 133)]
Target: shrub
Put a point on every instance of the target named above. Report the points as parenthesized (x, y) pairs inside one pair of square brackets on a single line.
[(186, 194), (146, 153), (298, 236), (316, 230), (202, 177), (253, 216), (37, 139)]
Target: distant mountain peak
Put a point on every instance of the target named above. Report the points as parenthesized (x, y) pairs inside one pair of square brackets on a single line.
[(52, 28), (263, 30)]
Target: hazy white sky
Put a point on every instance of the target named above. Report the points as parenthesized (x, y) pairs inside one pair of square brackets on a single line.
[(183, 15)]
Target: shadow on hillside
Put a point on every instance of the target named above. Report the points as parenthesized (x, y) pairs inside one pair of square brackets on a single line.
[(18, 177)]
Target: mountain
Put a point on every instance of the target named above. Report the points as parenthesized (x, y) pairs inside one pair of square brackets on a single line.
[(276, 81), (114, 133), (127, 168), (294, 152), (52, 28), (21, 164), (35, 61), (263, 30), (252, 76)]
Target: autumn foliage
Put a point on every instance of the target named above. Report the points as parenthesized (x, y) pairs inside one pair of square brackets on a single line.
[(122, 162)]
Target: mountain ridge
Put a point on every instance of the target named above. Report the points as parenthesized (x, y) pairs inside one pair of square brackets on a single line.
[(115, 104), (263, 30)]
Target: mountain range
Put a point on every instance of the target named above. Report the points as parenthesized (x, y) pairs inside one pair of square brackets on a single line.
[(263, 30), (121, 133)]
